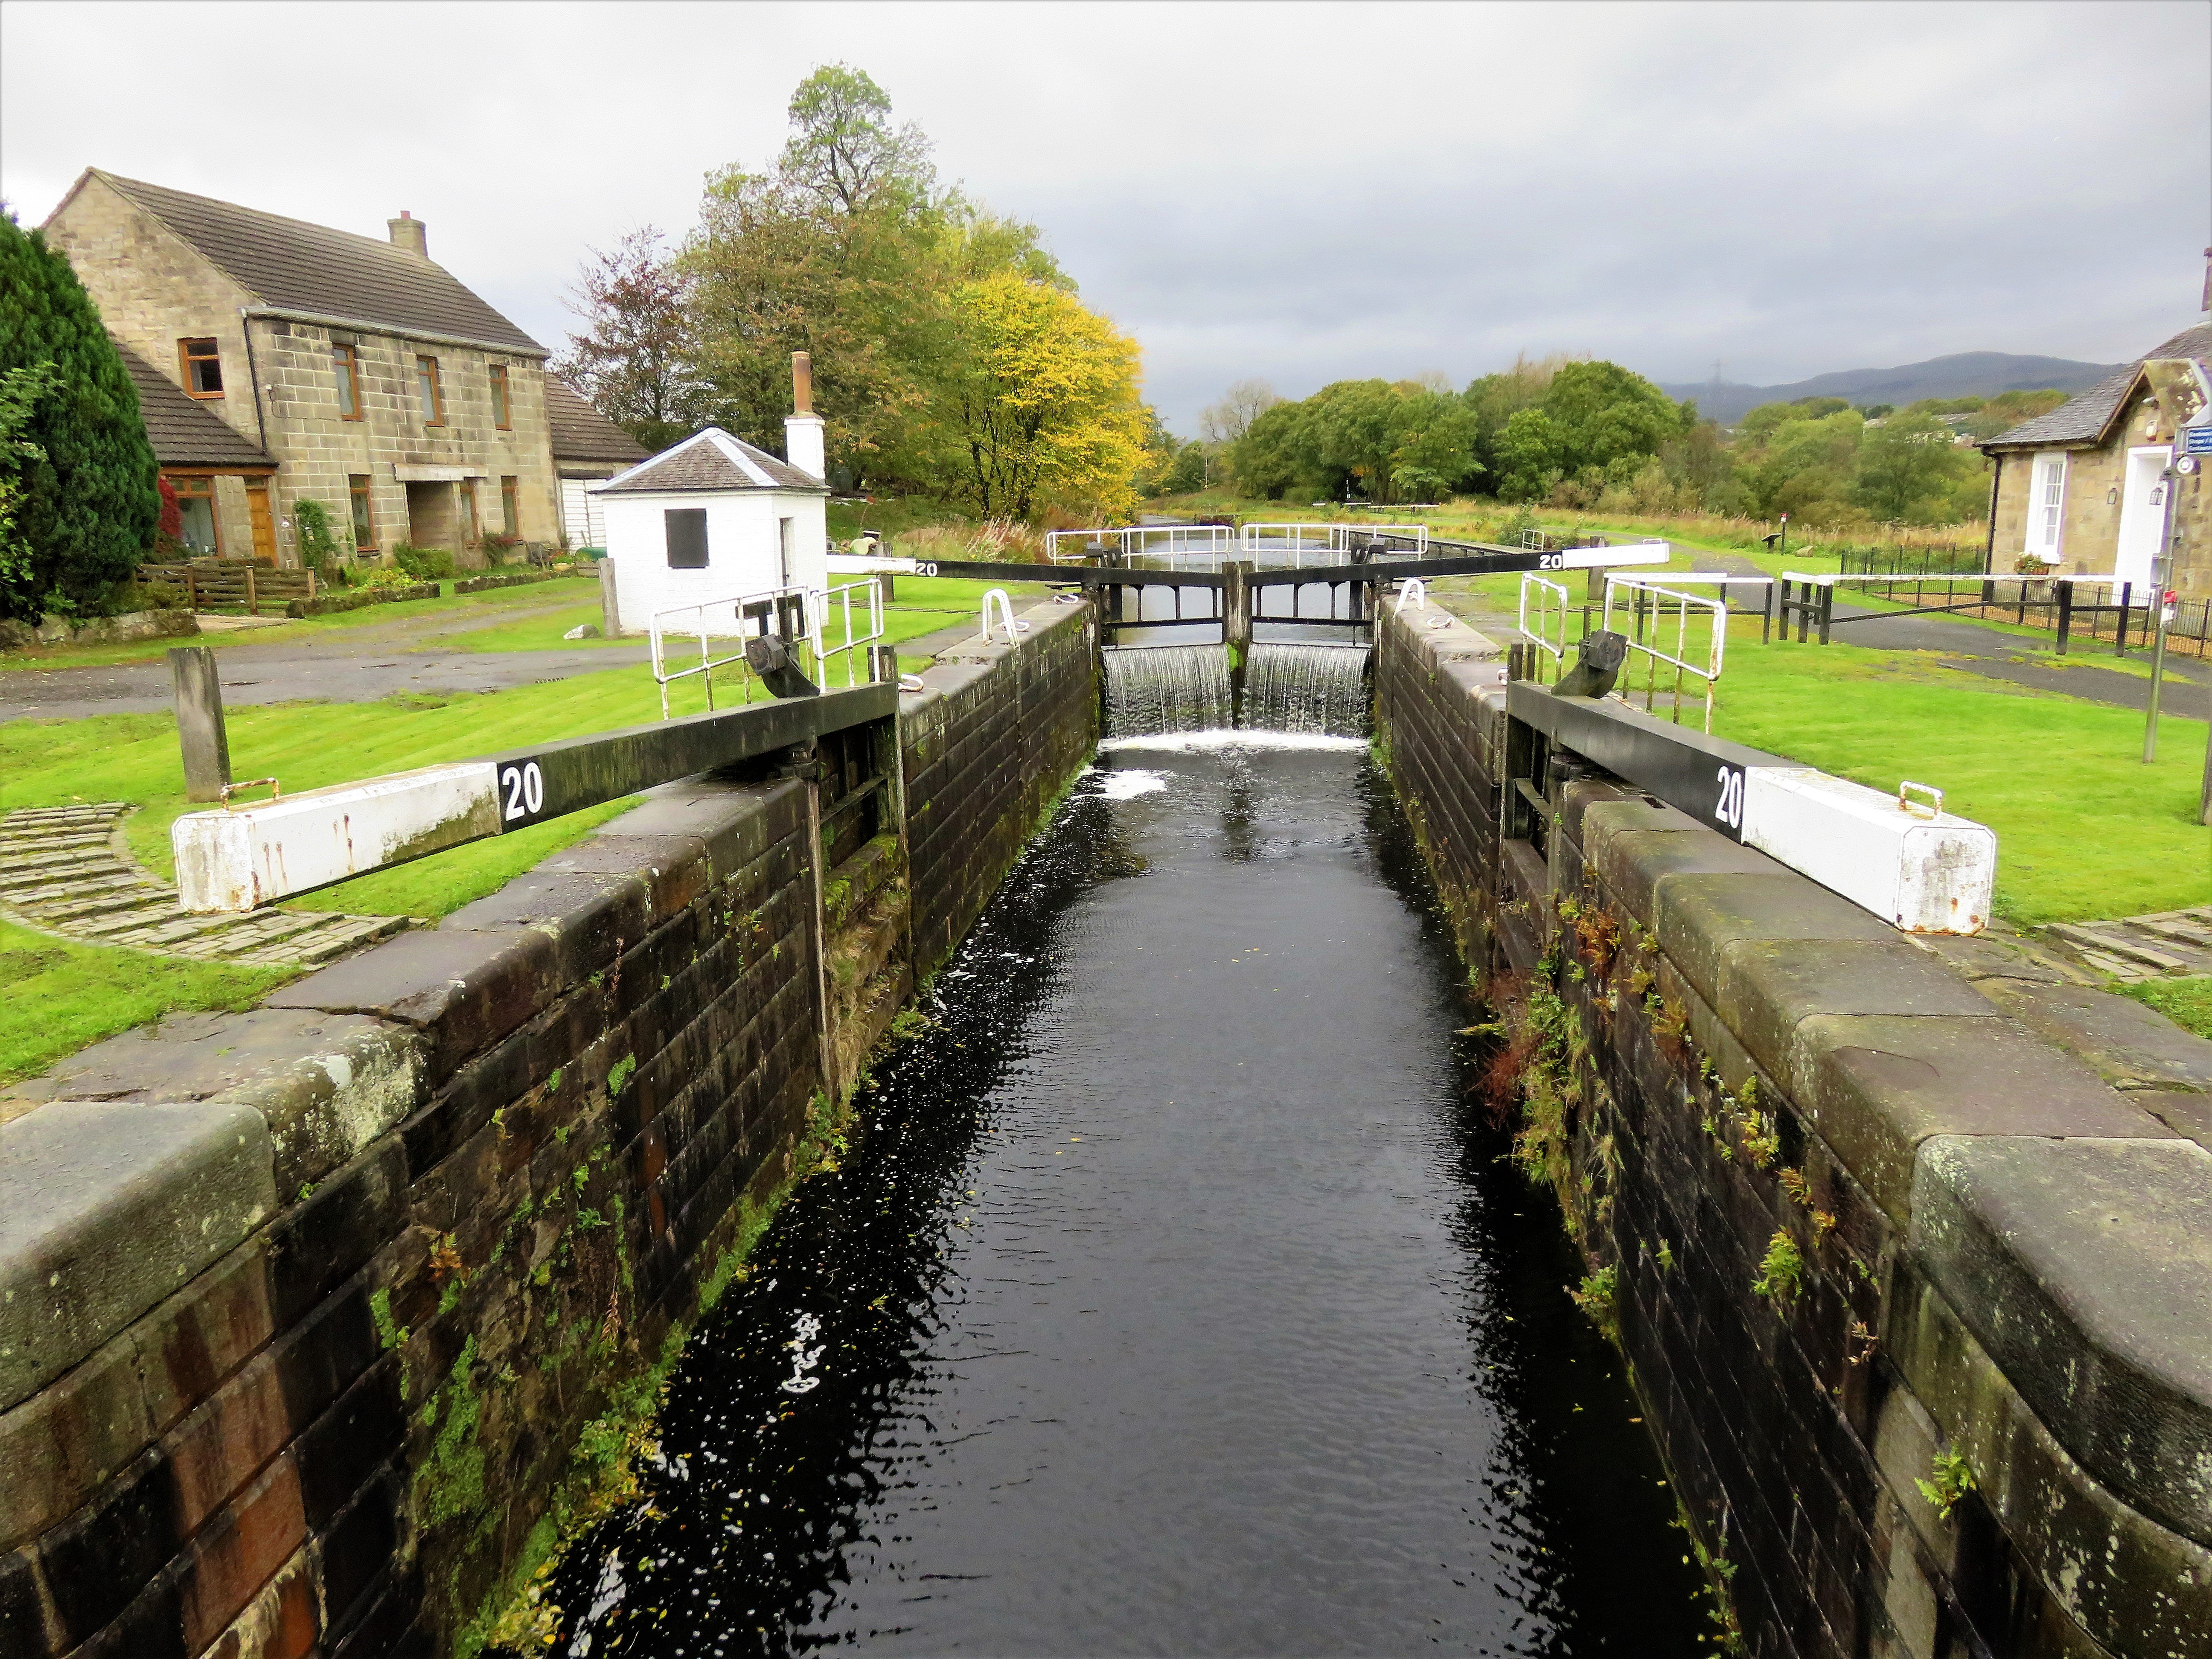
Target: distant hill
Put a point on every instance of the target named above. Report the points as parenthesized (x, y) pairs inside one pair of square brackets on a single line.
[(1963, 373)]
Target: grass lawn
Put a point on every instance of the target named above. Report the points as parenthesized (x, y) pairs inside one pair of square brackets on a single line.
[(2187, 1002), (134, 757), (2085, 830), (57, 996)]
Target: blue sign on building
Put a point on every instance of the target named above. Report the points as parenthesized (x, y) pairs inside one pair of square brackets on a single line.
[(2197, 440)]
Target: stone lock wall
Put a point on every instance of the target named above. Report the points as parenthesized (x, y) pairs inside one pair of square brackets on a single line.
[(1866, 1212), (988, 747), (317, 1320)]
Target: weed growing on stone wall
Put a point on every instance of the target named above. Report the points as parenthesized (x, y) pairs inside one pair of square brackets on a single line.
[(1782, 1274), (1954, 1478), (1762, 1139), (1537, 1063), (1596, 1299), (1720, 1583), (1800, 1189), (1666, 1256)]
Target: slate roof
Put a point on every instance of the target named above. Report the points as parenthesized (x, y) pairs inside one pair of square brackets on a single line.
[(2083, 420), (581, 433), (292, 265), (711, 460), (186, 433)]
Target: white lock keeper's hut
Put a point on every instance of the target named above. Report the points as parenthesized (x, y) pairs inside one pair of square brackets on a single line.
[(714, 520)]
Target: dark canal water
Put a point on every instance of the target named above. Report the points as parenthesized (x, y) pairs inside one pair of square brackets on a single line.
[(1176, 1302)]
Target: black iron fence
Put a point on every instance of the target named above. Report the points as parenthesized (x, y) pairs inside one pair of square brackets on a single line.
[(1953, 577)]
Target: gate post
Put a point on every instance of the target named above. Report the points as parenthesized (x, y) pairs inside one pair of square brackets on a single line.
[(1236, 629), (201, 733)]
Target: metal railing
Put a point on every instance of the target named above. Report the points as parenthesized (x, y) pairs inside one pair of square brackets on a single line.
[(1650, 601), (1552, 607), (999, 597), (1327, 537), (773, 609), (1413, 591), (1074, 546)]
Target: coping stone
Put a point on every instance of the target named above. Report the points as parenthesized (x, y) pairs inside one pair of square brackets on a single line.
[(106, 1207), (326, 1085), (2128, 1045), (2084, 1267), (1877, 1087), (464, 990)]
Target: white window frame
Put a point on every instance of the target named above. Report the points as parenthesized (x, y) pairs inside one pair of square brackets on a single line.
[(2045, 530)]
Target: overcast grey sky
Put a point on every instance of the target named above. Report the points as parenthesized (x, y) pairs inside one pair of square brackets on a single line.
[(1302, 192)]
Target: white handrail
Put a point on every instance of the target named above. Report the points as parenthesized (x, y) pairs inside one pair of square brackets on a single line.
[(1551, 602), (1332, 536), (1133, 539), (854, 643), (1006, 614), (1411, 591), (814, 605), (1678, 659)]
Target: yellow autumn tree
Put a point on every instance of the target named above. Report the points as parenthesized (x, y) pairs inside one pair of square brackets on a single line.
[(1042, 407)]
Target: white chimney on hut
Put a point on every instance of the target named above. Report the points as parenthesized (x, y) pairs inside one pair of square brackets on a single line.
[(409, 232), (802, 427)]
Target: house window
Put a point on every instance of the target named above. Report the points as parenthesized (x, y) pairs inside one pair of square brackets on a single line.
[(510, 506), (2047, 505), (196, 508), (468, 506), (502, 411), (687, 538), (347, 364), (431, 400), (203, 366), (364, 513)]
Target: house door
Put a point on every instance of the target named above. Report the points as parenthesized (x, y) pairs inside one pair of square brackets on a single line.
[(783, 551), (2142, 515), (257, 514)]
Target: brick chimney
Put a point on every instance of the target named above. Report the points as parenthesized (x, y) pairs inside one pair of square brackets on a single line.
[(408, 232), (802, 428)]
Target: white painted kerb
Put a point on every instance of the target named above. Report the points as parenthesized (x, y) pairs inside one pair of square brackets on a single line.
[(257, 855)]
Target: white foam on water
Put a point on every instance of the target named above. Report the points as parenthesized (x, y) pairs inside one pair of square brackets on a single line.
[(1224, 738), (1128, 785)]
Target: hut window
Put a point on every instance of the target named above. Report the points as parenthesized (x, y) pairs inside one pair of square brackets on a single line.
[(687, 538)]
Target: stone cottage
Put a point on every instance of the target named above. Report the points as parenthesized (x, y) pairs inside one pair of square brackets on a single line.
[(2083, 488), (357, 373), (204, 458)]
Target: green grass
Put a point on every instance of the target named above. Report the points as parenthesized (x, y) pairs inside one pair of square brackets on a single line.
[(134, 757), (2084, 828), (57, 996), (2187, 1002)]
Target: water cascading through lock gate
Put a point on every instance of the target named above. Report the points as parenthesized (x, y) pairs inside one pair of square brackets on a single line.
[(1153, 691)]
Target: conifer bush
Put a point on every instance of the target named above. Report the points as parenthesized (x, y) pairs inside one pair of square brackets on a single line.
[(85, 503)]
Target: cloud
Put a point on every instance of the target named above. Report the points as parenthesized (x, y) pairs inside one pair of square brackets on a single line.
[(1300, 192)]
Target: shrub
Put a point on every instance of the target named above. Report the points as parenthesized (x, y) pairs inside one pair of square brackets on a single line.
[(423, 564), (159, 596), (319, 548), (85, 502)]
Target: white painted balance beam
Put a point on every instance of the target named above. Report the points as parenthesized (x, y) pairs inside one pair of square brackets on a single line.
[(237, 860)]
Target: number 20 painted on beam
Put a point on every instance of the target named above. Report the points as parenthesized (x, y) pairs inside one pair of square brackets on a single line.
[(1729, 810), (524, 787)]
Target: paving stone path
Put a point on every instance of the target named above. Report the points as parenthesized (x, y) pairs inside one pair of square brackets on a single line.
[(2140, 947), (65, 870)]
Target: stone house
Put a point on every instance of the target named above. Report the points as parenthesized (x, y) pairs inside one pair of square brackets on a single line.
[(365, 375), (203, 458), (2083, 487)]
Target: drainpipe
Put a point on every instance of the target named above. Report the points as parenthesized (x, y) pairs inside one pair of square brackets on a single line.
[(261, 427)]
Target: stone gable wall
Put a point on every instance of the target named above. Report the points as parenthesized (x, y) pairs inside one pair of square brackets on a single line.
[(1999, 1238)]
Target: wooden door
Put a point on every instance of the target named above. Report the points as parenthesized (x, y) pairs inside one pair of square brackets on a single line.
[(264, 527)]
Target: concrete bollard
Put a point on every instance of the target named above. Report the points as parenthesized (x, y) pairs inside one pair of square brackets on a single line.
[(610, 610), (200, 731)]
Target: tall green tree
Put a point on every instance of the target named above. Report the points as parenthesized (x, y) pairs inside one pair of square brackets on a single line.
[(84, 501), (1911, 468)]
